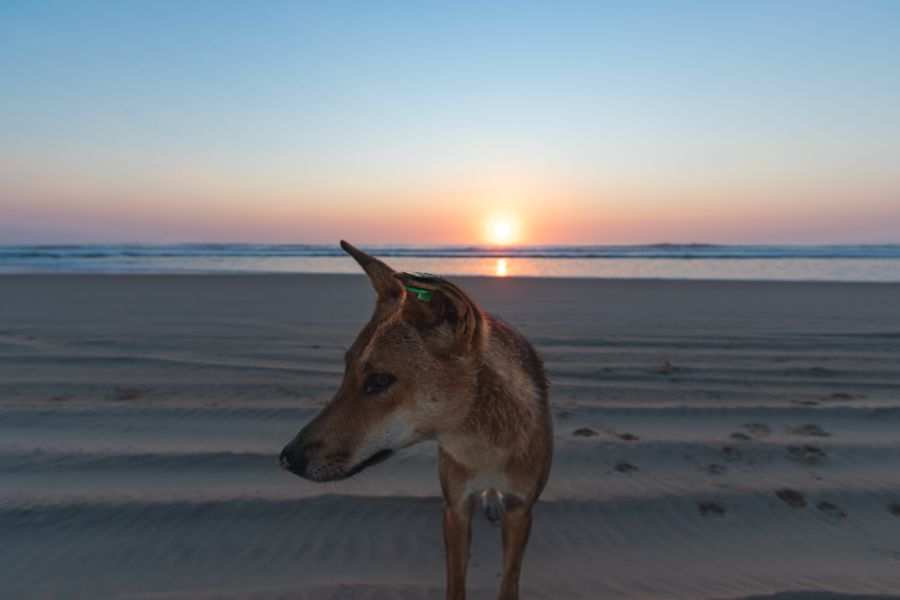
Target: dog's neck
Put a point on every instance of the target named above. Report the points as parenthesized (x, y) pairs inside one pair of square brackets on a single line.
[(503, 413)]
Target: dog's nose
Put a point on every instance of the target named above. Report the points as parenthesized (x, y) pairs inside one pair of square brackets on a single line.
[(289, 460), (284, 462), (293, 459)]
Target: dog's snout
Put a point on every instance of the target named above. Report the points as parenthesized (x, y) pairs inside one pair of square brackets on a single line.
[(295, 457)]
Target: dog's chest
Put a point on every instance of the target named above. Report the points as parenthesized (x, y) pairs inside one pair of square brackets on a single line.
[(485, 461)]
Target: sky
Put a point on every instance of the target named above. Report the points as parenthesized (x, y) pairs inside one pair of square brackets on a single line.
[(426, 122)]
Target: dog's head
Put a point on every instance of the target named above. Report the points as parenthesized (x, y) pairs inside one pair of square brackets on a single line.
[(409, 373)]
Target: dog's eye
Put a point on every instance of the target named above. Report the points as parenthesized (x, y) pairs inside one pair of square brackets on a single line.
[(378, 382)]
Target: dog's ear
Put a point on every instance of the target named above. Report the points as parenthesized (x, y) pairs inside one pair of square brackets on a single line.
[(442, 309), (382, 276)]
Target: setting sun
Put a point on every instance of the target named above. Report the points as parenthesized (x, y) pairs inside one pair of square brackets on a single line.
[(502, 230)]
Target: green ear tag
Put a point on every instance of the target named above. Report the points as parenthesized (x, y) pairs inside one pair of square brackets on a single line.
[(423, 295)]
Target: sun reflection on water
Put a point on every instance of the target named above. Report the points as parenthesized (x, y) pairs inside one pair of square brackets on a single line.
[(501, 267)]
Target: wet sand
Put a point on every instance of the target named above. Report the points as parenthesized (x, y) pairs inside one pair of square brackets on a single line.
[(714, 440)]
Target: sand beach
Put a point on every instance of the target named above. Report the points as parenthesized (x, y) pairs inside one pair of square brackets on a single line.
[(714, 440)]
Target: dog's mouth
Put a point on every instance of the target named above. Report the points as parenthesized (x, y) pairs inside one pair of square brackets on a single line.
[(323, 475), (378, 457)]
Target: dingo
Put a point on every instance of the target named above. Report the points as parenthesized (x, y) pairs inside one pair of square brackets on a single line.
[(431, 365)]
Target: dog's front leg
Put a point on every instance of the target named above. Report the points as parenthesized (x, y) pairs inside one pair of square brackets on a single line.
[(457, 535), (516, 529)]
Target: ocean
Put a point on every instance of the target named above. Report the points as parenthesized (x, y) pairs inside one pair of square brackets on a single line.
[(652, 261)]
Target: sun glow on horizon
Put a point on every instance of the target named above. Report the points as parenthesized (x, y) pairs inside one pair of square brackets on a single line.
[(502, 230)]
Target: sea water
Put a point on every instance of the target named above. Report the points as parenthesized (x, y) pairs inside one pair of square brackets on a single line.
[(653, 261)]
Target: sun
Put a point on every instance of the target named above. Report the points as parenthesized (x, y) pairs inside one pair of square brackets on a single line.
[(502, 230)]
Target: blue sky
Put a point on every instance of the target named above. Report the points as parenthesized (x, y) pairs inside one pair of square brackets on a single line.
[(418, 121)]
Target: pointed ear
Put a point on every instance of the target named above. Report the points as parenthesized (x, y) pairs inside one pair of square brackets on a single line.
[(382, 276), (434, 303)]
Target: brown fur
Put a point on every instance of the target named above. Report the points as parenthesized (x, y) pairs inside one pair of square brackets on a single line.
[(458, 376)]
